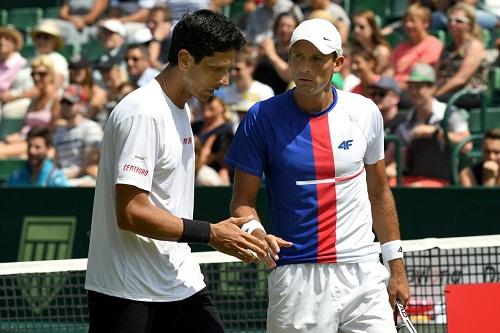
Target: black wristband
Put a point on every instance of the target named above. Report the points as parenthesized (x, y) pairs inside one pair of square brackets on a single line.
[(195, 232)]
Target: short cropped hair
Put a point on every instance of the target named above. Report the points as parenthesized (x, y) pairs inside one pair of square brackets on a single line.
[(493, 134), (40, 132), (202, 34)]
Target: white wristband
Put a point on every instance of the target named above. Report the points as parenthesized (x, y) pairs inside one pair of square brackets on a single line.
[(392, 250), (251, 225)]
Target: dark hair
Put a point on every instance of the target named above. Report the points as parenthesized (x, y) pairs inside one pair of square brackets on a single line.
[(40, 132), (203, 33), (492, 133), (141, 47), (285, 14)]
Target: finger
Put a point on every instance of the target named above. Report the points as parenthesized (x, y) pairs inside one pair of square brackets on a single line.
[(269, 262), (255, 245), (273, 247), (239, 221), (283, 243)]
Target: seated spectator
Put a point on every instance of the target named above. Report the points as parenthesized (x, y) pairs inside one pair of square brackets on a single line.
[(367, 36), (345, 79), (385, 93), (205, 175), (112, 77), (214, 120), (244, 84), (139, 70), (132, 14), (77, 19), (77, 144), (463, 63), (160, 25), (427, 152), (261, 21), (272, 62), (421, 47), (48, 40), (41, 111), (336, 12), (363, 64), (39, 170), (112, 35), (80, 74), (486, 172), (14, 74)]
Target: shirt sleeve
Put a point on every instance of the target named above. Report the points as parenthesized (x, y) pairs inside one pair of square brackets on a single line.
[(457, 121), (93, 135), (137, 144), (247, 151), (374, 133)]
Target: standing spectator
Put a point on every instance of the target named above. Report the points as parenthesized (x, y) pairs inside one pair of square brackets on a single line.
[(262, 19), (80, 74), (48, 40), (112, 35), (77, 144), (272, 62), (463, 63), (336, 12), (78, 19), (42, 111), (214, 120), (39, 170), (160, 25), (367, 36), (244, 84), (139, 70), (14, 76), (427, 152), (421, 47), (486, 172), (321, 152)]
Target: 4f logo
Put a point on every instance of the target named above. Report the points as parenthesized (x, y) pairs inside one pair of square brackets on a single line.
[(345, 144)]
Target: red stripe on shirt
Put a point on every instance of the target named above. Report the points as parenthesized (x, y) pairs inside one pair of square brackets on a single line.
[(327, 197)]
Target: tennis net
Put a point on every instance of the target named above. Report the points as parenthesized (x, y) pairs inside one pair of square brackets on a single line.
[(48, 296)]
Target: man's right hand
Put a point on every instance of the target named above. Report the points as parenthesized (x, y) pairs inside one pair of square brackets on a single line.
[(227, 237)]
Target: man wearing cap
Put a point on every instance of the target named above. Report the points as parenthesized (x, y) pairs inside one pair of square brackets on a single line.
[(14, 74), (322, 153), (112, 35), (77, 143), (427, 152), (385, 93)]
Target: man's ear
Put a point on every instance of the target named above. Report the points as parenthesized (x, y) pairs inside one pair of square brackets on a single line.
[(185, 59), (339, 61)]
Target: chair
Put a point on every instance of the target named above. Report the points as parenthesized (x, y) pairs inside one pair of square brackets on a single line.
[(28, 51), (25, 19), (380, 7), (3, 17), (68, 51), (9, 166), (9, 126), (92, 51), (51, 12), (460, 159)]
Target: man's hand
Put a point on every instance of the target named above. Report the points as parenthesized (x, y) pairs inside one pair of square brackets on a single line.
[(424, 131), (227, 237), (274, 243), (398, 287)]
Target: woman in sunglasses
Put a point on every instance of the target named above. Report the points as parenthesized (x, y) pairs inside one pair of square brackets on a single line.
[(463, 63), (41, 110), (367, 36)]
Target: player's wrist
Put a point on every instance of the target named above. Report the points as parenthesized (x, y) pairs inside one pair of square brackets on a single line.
[(195, 231), (252, 225), (392, 250)]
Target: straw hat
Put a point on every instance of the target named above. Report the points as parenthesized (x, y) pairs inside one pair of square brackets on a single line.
[(14, 34), (49, 28)]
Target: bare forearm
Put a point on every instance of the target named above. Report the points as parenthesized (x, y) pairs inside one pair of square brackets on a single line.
[(385, 220), (140, 16)]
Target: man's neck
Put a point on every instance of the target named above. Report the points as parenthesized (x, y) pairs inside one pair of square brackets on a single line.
[(170, 80), (75, 121), (314, 103), (243, 84)]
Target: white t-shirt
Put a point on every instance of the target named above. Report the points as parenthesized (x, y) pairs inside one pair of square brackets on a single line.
[(148, 144)]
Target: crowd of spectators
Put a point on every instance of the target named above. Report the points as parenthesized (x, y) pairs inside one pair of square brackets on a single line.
[(64, 102)]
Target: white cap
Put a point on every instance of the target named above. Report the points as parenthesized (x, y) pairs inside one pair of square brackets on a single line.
[(321, 33), (141, 36), (114, 26)]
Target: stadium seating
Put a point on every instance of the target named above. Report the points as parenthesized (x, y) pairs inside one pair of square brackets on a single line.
[(10, 125), (460, 159), (3, 17), (7, 167), (51, 12), (25, 19)]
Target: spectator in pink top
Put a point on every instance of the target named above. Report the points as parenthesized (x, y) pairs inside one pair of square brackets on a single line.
[(421, 47)]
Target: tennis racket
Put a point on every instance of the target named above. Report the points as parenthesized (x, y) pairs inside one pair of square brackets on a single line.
[(405, 321)]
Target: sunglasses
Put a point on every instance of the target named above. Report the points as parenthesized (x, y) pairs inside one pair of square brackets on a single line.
[(458, 19), (133, 59), (40, 74), (379, 94), (42, 36)]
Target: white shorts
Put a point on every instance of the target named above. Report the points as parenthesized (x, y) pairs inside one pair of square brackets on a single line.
[(319, 298)]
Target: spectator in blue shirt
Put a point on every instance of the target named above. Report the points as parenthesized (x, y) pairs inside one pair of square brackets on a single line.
[(39, 170)]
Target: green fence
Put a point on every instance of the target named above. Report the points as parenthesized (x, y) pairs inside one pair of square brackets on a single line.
[(56, 221)]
